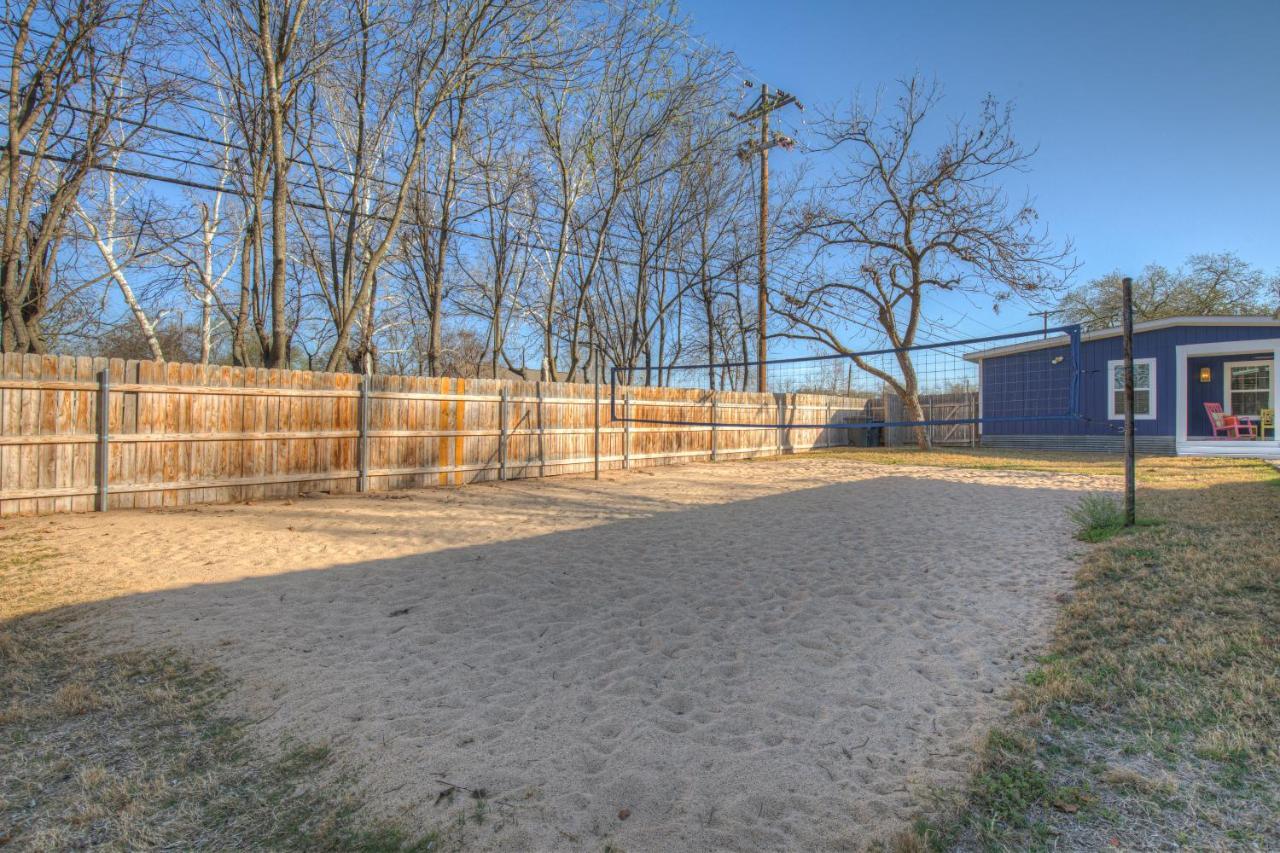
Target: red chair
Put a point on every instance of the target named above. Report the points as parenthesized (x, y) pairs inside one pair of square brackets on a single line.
[(1230, 425)]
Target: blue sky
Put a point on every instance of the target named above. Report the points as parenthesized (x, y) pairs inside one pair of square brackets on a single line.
[(1158, 123)]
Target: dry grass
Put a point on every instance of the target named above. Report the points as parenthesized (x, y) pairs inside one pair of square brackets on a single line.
[(1154, 721), (1154, 471), (130, 751)]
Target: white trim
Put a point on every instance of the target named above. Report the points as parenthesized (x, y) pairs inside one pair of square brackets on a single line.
[(1138, 328), (1226, 381), (1112, 414), (1185, 351), (1248, 449)]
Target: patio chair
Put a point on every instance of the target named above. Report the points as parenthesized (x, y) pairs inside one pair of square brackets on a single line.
[(1226, 424), (1267, 421)]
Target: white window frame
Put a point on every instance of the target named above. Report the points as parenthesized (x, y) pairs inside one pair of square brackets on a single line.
[(1226, 381), (1112, 414)]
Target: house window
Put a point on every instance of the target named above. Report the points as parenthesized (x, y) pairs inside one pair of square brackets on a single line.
[(1248, 387), (1144, 389)]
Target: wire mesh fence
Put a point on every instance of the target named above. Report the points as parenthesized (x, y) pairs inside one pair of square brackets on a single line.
[(937, 385)]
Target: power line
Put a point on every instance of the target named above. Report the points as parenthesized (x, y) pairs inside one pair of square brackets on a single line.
[(310, 163), (348, 123), (199, 185), (761, 110), (714, 137)]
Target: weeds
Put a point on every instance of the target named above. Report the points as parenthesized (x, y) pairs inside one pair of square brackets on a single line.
[(1098, 516)]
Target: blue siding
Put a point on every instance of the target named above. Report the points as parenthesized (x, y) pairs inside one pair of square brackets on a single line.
[(1213, 391), (1021, 384)]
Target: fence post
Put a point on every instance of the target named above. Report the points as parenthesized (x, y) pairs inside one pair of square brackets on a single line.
[(104, 438), (542, 447), (362, 452), (595, 421), (977, 414), (778, 435), (502, 433), (626, 430), (714, 432)]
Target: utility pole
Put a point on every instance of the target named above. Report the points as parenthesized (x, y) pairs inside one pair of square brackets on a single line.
[(765, 104), (1044, 315)]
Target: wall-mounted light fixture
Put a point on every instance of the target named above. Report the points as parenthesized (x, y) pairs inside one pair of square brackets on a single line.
[(1206, 375)]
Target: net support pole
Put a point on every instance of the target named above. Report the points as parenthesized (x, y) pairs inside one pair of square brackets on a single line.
[(104, 439), (1130, 497), (502, 433), (626, 430)]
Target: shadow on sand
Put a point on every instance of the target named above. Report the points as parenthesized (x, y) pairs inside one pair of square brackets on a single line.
[(773, 672)]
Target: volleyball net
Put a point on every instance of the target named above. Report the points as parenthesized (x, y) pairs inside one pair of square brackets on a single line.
[(1008, 378)]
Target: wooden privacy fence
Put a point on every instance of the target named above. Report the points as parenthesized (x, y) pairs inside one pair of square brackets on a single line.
[(79, 434), (957, 405)]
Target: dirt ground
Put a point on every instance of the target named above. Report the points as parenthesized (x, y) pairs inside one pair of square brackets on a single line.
[(755, 655)]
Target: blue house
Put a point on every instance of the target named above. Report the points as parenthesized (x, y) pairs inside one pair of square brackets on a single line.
[(1180, 364)]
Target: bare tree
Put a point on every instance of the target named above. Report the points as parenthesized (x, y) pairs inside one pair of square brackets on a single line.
[(231, 36), (119, 231), (494, 285), (1206, 284), (286, 38), (433, 218), (526, 179), (65, 92), (205, 266), (446, 53), (899, 221)]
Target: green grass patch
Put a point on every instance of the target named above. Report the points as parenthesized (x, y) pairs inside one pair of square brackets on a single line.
[(1098, 517)]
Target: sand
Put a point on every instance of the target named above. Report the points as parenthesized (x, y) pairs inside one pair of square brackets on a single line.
[(775, 655)]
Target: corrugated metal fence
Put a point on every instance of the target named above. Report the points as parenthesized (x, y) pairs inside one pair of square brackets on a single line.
[(79, 434)]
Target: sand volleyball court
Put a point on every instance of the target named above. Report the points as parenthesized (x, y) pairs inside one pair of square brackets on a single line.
[(777, 655)]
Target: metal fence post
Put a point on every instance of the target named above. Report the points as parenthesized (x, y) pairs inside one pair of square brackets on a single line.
[(626, 430), (714, 447), (542, 448), (976, 411), (778, 437), (362, 484), (104, 437), (595, 420), (502, 433)]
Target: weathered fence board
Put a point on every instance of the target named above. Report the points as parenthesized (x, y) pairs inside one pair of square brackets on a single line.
[(956, 405), (174, 434)]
